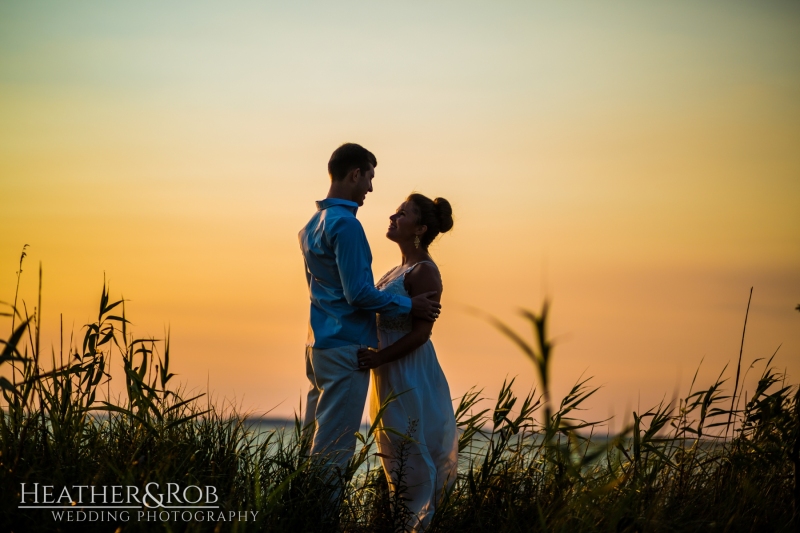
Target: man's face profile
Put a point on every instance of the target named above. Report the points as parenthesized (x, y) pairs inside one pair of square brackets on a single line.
[(363, 184)]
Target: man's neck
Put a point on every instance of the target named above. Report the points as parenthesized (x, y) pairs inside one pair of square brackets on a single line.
[(339, 192)]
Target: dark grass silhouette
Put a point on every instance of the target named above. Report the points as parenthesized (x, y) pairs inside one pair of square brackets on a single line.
[(713, 461)]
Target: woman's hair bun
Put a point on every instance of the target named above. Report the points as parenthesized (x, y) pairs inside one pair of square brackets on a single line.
[(437, 215), (444, 213)]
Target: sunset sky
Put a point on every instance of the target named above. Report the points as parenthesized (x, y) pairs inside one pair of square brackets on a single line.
[(636, 162)]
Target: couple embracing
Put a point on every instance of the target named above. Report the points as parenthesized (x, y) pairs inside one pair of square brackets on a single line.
[(359, 331)]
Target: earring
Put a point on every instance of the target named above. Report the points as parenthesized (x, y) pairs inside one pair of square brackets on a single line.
[(416, 241)]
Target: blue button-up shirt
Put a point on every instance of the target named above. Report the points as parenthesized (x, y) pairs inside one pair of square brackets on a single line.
[(338, 260)]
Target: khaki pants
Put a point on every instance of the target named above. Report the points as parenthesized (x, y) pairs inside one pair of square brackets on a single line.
[(335, 403)]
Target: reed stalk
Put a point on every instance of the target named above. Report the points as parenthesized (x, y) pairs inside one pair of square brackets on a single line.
[(527, 463)]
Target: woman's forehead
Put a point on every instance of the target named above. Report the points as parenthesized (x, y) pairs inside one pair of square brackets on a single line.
[(408, 205)]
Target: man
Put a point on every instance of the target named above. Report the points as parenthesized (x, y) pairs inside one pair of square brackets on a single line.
[(344, 301)]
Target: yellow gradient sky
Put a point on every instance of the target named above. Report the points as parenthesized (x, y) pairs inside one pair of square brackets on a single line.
[(637, 162)]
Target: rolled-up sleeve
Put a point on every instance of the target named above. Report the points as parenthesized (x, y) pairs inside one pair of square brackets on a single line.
[(353, 259)]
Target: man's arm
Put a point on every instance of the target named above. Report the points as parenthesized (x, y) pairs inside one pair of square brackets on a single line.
[(351, 249)]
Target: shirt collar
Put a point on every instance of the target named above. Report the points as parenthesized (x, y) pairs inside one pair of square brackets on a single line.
[(330, 202)]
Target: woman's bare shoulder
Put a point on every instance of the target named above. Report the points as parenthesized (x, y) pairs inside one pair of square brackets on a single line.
[(425, 268), (424, 277)]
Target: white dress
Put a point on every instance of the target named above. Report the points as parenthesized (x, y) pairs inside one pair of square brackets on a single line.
[(424, 411)]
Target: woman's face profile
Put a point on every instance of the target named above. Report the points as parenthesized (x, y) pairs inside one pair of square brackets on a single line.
[(403, 223)]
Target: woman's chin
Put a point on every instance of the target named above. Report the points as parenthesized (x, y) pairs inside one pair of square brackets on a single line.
[(392, 235)]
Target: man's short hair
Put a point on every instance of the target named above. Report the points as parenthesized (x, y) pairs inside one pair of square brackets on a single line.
[(347, 157)]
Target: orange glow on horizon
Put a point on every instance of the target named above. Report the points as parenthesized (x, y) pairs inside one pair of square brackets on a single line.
[(635, 164)]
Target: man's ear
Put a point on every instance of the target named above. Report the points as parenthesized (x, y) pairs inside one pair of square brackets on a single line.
[(353, 174)]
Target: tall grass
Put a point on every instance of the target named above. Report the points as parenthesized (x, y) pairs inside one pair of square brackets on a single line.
[(528, 463)]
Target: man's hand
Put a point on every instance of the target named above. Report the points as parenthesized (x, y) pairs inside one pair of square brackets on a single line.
[(369, 358), (424, 307)]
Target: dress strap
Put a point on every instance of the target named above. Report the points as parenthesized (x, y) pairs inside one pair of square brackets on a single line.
[(412, 267), (386, 280)]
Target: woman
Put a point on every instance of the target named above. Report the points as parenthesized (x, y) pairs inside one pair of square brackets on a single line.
[(406, 365)]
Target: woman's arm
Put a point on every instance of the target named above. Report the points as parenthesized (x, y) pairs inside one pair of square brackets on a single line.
[(424, 278)]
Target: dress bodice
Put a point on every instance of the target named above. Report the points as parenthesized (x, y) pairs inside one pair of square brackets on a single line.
[(395, 285)]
